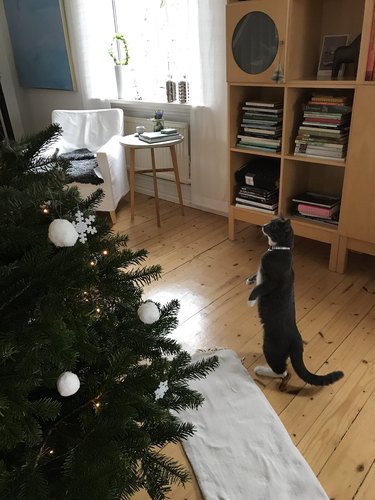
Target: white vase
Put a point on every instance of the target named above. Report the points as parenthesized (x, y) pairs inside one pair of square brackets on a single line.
[(120, 72)]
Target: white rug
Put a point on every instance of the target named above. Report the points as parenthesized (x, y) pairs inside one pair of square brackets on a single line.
[(241, 450)]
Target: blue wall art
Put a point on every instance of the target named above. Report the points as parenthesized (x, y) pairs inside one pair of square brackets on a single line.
[(40, 45)]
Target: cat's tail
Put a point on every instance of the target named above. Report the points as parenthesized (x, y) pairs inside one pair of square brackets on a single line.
[(296, 358)]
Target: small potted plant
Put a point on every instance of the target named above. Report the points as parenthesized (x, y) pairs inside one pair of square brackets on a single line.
[(121, 61), (158, 120)]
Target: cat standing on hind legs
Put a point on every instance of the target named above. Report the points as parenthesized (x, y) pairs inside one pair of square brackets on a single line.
[(274, 295)]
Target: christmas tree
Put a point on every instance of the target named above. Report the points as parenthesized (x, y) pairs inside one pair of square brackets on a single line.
[(91, 381)]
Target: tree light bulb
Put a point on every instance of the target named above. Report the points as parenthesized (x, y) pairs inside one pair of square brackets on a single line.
[(51, 452), (92, 263), (97, 309), (45, 210), (105, 252)]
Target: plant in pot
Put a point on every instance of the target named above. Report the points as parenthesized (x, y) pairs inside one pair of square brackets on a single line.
[(121, 61)]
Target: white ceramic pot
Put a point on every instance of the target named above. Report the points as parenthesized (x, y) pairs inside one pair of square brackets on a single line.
[(121, 72)]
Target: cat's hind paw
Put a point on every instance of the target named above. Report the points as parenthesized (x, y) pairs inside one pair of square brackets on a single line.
[(266, 371)]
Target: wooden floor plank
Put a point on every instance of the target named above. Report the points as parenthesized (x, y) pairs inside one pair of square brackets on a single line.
[(332, 426)]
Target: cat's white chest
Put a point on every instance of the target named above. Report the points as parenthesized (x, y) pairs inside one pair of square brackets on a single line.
[(259, 280)]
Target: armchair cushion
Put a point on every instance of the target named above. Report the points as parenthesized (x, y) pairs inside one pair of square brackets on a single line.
[(83, 166)]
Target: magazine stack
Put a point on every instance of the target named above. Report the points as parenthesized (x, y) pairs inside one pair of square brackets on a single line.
[(325, 128), (261, 126), (258, 181), (317, 206)]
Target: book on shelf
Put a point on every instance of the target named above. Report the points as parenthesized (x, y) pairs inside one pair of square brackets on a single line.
[(333, 221), (257, 209), (251, 139), (370, 65), (323, 123), (317, 199), (263, 130), (312, 150), (264, 104), (322, 98), (256, 193), (265, 148), (263, 111), (322, 157), (322, 139), (326, 108), (259, 123), (320, 144), (326, 116), (315, 211), (252, 203), (324, 131)]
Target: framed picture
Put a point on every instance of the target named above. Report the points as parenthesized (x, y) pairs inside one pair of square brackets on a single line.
[(329, 45), (40, 43)]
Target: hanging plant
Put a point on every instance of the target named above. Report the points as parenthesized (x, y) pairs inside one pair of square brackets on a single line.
[(119, 61)]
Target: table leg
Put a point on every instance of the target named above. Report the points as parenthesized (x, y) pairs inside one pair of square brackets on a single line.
[(155, 186), (132, 181), (177, 176)]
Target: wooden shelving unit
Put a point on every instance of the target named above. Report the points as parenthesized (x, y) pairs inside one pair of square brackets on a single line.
[(301, 25)]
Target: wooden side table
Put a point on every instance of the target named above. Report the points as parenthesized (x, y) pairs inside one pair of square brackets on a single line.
[(132, 142)]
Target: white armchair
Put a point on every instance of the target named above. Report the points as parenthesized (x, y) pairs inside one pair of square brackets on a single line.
[(98, 130)]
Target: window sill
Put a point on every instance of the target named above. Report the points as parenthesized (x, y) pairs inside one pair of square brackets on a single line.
[(151, 104)]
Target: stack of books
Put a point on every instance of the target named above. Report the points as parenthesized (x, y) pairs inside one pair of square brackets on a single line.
[(325, 128), (261, 125), (163, 135), (258, 181), (318, 207)]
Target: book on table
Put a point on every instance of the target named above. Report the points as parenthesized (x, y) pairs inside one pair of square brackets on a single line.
[(154, 137)]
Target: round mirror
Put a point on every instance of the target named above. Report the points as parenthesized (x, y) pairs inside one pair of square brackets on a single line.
[(255, 42)]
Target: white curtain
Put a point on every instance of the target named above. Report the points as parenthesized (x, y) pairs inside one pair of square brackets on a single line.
[(209, 118), (91, 28)]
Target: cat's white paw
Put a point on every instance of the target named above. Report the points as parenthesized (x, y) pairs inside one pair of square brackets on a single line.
[(252, 303), (266, 371), (251, 280)]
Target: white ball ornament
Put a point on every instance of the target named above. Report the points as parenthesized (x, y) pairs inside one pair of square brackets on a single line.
[(62, 233), (68, 384), (148, 312)]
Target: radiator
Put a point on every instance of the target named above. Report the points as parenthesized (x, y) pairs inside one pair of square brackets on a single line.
[(162, 155)]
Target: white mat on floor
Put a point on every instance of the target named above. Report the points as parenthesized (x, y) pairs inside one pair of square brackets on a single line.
[(241, 450)]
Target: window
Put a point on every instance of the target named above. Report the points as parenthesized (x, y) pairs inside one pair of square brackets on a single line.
[(160, 36)]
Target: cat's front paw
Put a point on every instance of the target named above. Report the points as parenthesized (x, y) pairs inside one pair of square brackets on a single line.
[(251, 279), (252, 303)]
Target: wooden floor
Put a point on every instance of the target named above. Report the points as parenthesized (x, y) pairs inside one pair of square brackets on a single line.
[(333, 427)]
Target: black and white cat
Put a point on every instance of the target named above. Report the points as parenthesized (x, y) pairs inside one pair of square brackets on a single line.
[(274, 293)]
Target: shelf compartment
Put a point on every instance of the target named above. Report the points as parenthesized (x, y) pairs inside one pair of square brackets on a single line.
[(294, 99), (309, 21), (237, 95), (297, 177)]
